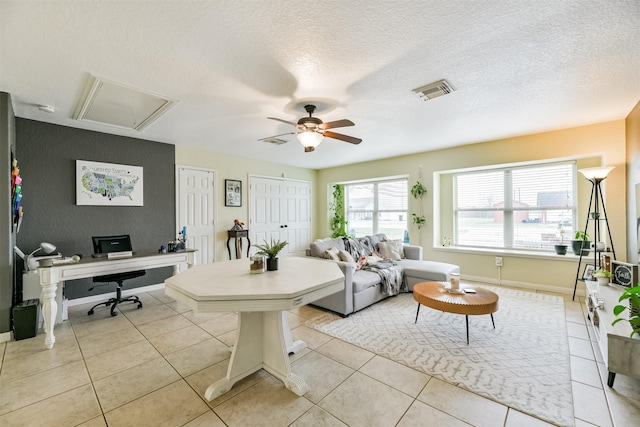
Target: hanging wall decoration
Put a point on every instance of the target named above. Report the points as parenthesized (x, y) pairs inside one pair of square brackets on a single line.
[(16, 194), (108, 184)]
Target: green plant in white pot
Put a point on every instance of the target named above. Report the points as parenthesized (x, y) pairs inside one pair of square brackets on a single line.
[(602, 276), (271, 251), (633, 295)]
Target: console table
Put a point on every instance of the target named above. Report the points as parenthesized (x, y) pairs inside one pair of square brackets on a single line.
[(261, 299), (52, 274), (238, 235), (620, 352)]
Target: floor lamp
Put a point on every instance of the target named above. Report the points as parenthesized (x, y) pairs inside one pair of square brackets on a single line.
[(595, 176)]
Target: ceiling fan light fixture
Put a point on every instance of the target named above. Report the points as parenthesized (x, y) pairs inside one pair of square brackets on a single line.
[(309, 139)]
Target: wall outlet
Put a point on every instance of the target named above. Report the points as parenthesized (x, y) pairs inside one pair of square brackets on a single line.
[(498, 261)]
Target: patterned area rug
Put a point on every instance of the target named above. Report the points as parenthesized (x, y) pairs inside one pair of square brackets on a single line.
[(523, 363)]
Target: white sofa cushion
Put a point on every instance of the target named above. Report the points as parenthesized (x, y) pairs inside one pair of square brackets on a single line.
[(318, 247), (392, 249), (428, 270), (365, 279)]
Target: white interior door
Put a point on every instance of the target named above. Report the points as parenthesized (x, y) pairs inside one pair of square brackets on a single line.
[(195, 210), (296, 205), (265, 216), (280, 209)]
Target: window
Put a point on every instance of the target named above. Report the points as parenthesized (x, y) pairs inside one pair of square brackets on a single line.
[(377, 207), (525, 207)]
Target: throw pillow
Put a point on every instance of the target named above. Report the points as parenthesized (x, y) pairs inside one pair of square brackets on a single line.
[(377, 238), (346, 257), (392, 249), (332, 254), (399, 246)]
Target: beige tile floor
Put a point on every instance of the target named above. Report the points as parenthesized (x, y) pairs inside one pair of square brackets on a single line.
[(152, 366)]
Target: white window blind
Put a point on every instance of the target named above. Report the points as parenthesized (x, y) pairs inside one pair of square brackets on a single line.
[(524, 207), (377, 207)]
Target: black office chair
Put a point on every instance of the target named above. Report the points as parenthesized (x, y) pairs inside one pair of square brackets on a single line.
[(102, 246)]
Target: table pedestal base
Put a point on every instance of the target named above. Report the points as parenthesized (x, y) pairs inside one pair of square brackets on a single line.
[(260, 343)]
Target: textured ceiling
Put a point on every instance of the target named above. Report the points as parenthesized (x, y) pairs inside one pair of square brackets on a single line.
[(518, 67)]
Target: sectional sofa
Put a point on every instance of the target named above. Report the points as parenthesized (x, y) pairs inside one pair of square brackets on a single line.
[(364, 287)]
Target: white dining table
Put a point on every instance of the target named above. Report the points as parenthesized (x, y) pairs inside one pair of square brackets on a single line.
[(261, 301)]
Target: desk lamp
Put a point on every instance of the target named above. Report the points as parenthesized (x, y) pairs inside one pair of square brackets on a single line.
[(47, 248)]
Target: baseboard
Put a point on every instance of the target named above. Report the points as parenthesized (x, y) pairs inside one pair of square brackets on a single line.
[(524, 285), (6, 336), (103, 297)]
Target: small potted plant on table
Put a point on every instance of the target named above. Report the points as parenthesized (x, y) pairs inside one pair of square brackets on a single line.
[(602, 276), (271, 250)]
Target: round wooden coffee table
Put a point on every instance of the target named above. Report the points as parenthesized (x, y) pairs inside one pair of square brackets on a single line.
[(436, 296)]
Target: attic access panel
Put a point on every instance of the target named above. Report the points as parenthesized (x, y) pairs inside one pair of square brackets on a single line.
[(114, 104)]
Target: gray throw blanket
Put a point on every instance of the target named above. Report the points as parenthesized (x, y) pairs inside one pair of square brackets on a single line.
[(358, 247), (391, 276)]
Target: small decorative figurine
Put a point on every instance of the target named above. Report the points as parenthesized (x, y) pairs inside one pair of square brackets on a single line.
[(237, 225)]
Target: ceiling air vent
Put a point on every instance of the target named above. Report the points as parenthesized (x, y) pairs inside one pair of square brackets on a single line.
[(114, 104), (434, 90), (275, 141)]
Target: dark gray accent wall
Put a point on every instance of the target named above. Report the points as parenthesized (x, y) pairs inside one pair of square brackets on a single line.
[(48, 155), (7, 237)]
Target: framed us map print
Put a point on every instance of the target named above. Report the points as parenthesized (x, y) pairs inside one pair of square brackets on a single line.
[(108, 184)]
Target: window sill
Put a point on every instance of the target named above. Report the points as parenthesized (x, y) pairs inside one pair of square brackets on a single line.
[(513, 253)]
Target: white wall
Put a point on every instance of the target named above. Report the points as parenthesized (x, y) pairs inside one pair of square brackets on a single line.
[(633, 183), (238, 168)]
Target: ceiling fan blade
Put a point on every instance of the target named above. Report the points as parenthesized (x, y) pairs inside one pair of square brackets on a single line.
[(283, 121), (275, 136), (336, 124), (341, 137)]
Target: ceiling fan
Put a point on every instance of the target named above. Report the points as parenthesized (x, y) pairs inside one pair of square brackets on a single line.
[(311, 130)]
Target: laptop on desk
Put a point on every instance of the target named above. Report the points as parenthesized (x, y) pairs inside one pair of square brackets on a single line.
[(112, 246)]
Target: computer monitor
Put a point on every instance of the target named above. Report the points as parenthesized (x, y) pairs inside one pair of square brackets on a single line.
[(103, 245)]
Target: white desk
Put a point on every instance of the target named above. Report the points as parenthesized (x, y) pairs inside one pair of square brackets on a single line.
[(261, 339), (52, 275)]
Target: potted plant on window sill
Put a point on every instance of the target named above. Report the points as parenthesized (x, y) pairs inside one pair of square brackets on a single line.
[(271, 250), (561, 249), (633, 295), (580, 242)]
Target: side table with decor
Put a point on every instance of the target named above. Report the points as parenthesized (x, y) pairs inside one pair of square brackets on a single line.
[(238, 235), (619, 350)]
